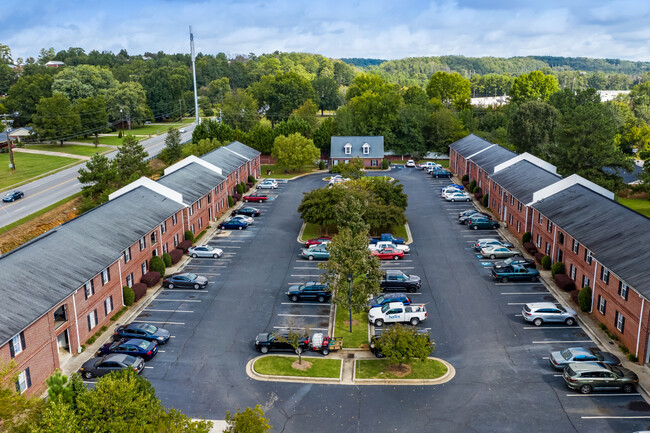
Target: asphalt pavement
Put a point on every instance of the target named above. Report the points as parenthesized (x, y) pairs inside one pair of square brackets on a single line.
[(503, 381), (55, 187)]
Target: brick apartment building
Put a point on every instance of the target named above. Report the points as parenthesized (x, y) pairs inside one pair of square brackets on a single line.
[(61, 287)]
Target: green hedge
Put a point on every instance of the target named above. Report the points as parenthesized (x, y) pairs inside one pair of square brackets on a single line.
[(384, 164), (485, 201), (189, 236), (157, 264), (464, 178), (557, 268), (231, 201), (167, 259), (251, 178), (471, 186), (129, 296), (526, 237), (584, 299), (546, 262)]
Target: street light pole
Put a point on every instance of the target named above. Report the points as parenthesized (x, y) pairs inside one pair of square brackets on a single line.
[(350, 298), (12, 164)]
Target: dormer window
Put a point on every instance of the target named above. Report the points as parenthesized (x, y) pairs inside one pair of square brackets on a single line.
[(348, 149), (366, 148)]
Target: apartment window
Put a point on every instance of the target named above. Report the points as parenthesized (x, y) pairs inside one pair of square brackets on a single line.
[(512, 200), (165, 248), (209, 198), (192, 209), (17, 344), (494, 186), (24, 381), (174, 219), (154, 253), (547, 250), (108, 305), (127, 255), (575, 246), (106, 276), (198, 204), (92, 320), (143, 267), (604, 275), (192, 228), (129, 280), (200, 223), (493, 203), (585, 281), (560, 238), (163, 227), (540, 218), (143, 243), (366, 149), (510, 219), (587, 256), (620, 322), (549, 226), (175, 240), (602, 305), (348, 149), (518, 226), (217, 207), (500, 191), (622, 290), (539, 241), (505, 197), (519, 206), (154, 237), (572, 272), (89, 289)]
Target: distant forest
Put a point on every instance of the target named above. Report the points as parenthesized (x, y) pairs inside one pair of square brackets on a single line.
[(362, 63)]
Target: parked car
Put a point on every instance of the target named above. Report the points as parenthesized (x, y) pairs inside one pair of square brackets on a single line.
[(266, 184), (440, 172), (428, 164), (146, 349), (589, 376), (310, 291), (13, 196), (143, 331), (387, 237), (248, 211), (388, 253), (467, 212), (396, 280), (185, 280), (515, 261), (476, 214), (457, 196), (541, 312), (480, 222), (514, 273), (385, 298), (490, 242), (318, 252), (450, 186), (562, 358), (255, 197), (98, 367), (268, 341), (316, 241), (182, 130), (204, 251), (410, 163), (495, 251), (233, 224), (384, 244), (248, 220), (449, 191), (396, 312)]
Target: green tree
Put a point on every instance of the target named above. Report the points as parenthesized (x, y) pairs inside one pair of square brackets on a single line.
[(217, 89), (363, 83), (131, 99), (261, 138), (323, 134), (349, 256), (83, 81), (173, 150), (282, 93), (92, 114), (343, 73), (7, 78), (353, 168), (56, 119), (24, 96), (239, 109), (444, 129), (401, 344), (129, 161), (319, 205), (349, 214), (17, 412), (295, 151), (203, 146), (327, 93), (247, 421), (533, 126), (307, 112), (534, 86), (98, 176), (450, 88)]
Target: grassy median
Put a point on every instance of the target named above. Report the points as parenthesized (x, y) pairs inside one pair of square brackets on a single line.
[(282, 366), (359, 335), (378, 369)]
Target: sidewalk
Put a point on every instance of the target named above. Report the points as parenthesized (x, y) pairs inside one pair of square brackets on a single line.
[(586, 320)]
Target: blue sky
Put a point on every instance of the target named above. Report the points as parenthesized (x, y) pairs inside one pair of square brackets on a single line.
[(386, 29)]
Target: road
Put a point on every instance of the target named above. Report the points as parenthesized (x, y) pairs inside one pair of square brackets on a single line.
[(503, 382), (55, 187)]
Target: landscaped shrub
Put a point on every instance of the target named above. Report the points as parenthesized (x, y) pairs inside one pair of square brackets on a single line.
[(485, 201), (624, 348), (538, 257), (471, 186), (584, 299), (249, 185), (236, 197), (337, 168), (321, 165), (129, 296), (139, 289), (200, 235), (529, 246), (188, 236), (384, 164), (557, 268), (575, 296), (150, 278), (546, 262), (176, 255), (167, 259), (478, 195), (632, 357), (465, 178), (239, 189), (477, 190), (185, 245), (251, 179), (564, 282), (231, 201), (157, 264), (526, 237), (118, 314)]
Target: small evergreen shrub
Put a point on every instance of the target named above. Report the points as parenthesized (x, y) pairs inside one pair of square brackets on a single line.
[(176, 255), (200, 235), (632, 357), (251, 179), (485, 201), (189, 236), (529, 246), (602, 326), (557, 268), (465, 178), (623, 348), (526, 237), (129, 296), (477, 190), (321, 165), (139, 289), (471, 186), (337, 168), (167, 259), (157, 264), (539, 257), (384, 164), (239, 189), (151, 278), (584, 299), (465, 183), (231, 201), (564, 282), (185, 245), (478, 196), (118, 314), (119, 134), (546, 262)]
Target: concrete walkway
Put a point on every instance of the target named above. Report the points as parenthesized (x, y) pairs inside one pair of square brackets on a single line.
[(47, 152)]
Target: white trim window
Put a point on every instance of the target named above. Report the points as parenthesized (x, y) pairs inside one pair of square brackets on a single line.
[(163, 227), (92, 320), (575, 246), (127, 255), (602, 305), (129, 280), (143, 243), (348, 149), (174, 219), (108, 305), (17, 344), (175, 240), (106, 276), (89, 289), (620, 322), (143, 267), (572, 272), (24, 381), (539, 241), (198, 204), (366, 149)]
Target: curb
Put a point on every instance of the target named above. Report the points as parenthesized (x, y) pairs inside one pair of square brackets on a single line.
[(250, 371), (302, 230), (408, 232), (449, 375)]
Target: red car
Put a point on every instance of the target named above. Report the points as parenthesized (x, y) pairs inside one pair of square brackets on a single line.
[(256, 197), (317, 241), (389, 254)]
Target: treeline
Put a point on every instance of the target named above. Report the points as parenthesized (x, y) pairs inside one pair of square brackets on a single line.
[(362, 62)]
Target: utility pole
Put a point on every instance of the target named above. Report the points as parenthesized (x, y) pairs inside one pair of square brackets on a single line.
[(12, 164), (193, 56), (180, 109)]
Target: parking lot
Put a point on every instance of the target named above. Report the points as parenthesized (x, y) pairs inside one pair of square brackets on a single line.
[(503, 380)]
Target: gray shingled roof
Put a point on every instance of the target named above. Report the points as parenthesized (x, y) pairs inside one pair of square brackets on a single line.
[(469, 145), (40, 274), (193, 181), (617, 236), (242, 149), (523, 178), (225, 160), (376, 143), (492, 157)]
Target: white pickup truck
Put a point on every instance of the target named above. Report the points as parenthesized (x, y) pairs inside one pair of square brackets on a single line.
[(380, 245), (397, 312), (427, 165)]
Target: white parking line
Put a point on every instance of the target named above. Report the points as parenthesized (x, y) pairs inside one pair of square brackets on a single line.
[(525, 293), (205, 266), (304, 315), (230, 246), (605, 395), (517, 303), (551, 327), (168, 311), (161, 351), (560, 341), (305, 303), (296, 327), (523, 283), (306, 267), (177, 300), (545, 357), (615, 417), (212, 275), (305, 275), (146, 366), (519, 315), (159, 323), (187, 290), (405, 267)]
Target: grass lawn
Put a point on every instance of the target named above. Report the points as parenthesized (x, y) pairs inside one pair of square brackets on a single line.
[(281, 366), (37, 213), (70, 148), (376, 369), (154, 129), (400, 232), (314, 231), (112, 140), (277, 172), (359, 335), (29, 166), (638, 204)]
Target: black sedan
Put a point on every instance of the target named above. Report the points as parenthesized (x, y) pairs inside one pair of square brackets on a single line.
[(143, 331), (248, 211), (311, 291), (145, 349), (516, 260), (187, 280), (13, 196), (275, 341), (98, 367)]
